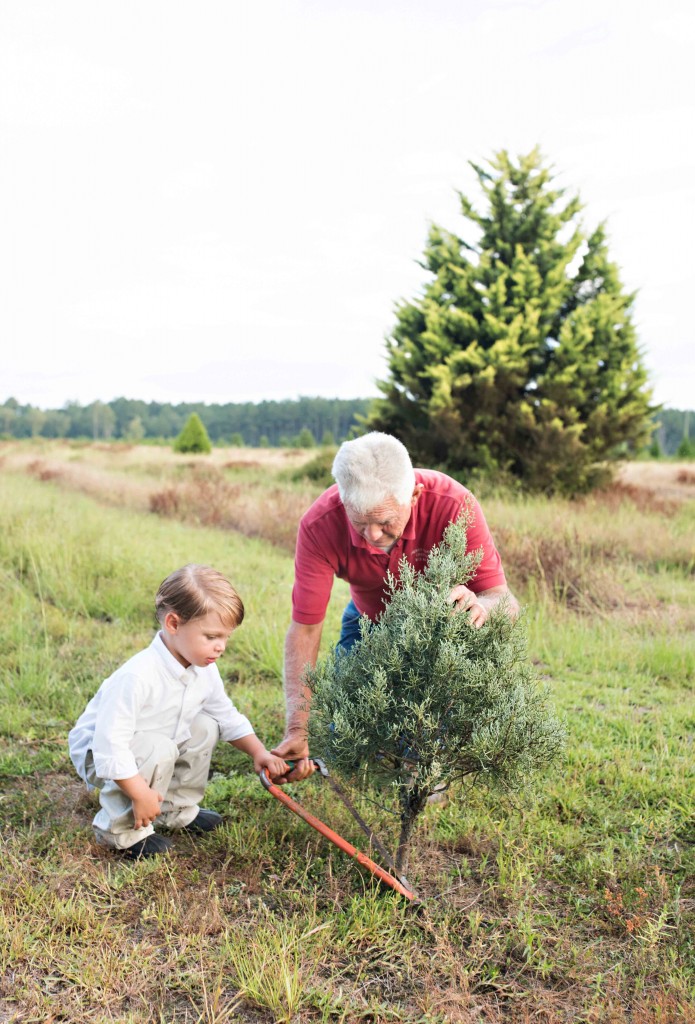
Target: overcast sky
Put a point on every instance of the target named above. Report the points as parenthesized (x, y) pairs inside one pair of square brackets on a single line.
[(223, 201)]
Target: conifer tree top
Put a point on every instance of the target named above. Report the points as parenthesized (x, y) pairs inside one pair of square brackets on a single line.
[(520, 355)]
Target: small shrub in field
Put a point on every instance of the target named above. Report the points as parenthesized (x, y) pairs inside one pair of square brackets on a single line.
[(425, 698), (304, 439), (193, 437), (686, 449), (318, 470)]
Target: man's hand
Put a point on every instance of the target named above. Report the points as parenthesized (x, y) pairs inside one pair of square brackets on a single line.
[(464, 600), (294, 747), (480, 605)]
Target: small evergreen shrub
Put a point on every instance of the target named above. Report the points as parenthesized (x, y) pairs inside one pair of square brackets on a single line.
[(194, 437), (686, 449), (318, 470), (425, 698), (304, 439)]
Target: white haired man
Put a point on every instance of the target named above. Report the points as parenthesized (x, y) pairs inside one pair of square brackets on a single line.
[(379, 510)]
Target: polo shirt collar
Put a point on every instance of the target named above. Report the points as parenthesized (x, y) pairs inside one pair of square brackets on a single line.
[(174, 666)]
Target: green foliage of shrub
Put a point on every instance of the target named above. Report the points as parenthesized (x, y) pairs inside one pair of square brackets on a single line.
[(425, 698), (304, 439), (318, 470), (194, 437), (686, 449)]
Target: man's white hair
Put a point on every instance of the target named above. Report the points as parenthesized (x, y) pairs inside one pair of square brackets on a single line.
[(371, 469)]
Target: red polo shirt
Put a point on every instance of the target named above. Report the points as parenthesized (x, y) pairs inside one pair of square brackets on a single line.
[(328, 546)]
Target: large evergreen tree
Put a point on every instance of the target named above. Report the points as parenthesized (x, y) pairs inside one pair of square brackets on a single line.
[(520, 354)]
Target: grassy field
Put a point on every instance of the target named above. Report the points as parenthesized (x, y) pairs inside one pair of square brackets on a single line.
[(573, 902)]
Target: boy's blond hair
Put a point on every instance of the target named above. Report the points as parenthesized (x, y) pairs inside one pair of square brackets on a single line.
[(195, 590)]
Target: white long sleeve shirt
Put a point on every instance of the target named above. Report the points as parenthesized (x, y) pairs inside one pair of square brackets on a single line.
[(152, 692)]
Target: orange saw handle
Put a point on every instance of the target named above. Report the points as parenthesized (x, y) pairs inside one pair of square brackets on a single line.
[(333, 837)]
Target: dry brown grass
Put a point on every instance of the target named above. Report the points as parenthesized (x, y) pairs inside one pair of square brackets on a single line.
[(117, 455), (560, 566), (585, 560), (104, 485), (253, 509), (190, 489), (643, 498), (594, 551), (674, 480)]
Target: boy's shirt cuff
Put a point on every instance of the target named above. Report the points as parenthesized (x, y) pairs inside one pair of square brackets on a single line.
[(230, 731), (119, 766)]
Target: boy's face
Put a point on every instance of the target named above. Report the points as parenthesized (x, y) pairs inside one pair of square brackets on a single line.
[(197, 642)]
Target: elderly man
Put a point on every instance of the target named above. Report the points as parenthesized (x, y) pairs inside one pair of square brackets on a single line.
[(379, 511)]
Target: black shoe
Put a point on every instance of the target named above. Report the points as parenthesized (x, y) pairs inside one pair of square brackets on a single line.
[(205, 821), (150, 846)]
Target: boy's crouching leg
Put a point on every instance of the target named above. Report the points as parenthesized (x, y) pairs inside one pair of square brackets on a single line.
[(114, 825), (181, 807)]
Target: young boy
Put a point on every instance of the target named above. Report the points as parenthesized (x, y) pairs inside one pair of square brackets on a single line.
[(145, 740)]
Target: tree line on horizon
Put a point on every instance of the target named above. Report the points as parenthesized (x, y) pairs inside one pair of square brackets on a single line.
[(302, 422)]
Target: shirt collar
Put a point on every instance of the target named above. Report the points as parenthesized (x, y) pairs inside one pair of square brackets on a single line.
[(174, 667)]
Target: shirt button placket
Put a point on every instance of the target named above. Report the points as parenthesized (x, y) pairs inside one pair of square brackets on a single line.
[(187, 680)]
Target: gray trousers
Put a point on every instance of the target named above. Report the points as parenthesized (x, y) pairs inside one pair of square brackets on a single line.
[(179, 773)]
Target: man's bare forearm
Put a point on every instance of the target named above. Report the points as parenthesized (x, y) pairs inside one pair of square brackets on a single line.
[(491, 598), (301, 649)]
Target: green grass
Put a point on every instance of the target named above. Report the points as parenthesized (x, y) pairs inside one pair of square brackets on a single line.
[(571, 902)]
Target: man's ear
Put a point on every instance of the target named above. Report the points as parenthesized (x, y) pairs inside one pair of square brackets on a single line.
[(171, 622), (419, 488)]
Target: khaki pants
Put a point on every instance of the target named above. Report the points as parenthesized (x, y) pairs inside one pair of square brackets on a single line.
[(179, 773)]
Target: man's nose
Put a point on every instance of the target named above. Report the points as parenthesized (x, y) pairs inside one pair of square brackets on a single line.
[(374, 531)]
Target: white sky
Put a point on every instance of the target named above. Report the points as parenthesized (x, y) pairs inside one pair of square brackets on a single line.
[(223, 201)]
